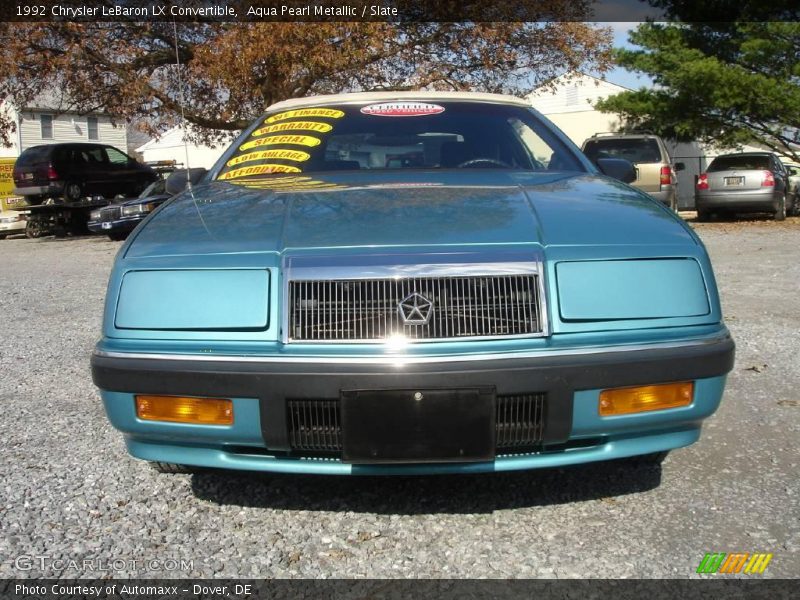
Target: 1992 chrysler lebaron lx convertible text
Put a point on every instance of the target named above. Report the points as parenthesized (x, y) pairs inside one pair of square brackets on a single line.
[(410, 283)]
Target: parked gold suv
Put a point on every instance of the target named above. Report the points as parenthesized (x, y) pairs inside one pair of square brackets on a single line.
[(655, 173)]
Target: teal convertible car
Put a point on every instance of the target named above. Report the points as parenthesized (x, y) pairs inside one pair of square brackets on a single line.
[(406, 283)]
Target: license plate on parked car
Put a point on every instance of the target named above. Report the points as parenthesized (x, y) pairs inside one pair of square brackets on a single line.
[(734, 181), (106, 225), (423, 425)]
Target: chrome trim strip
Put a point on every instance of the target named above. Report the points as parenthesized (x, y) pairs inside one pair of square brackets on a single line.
[(404, 359)]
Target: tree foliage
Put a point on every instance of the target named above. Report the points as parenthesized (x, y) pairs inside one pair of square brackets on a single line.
[(232, 71), (721, 83)]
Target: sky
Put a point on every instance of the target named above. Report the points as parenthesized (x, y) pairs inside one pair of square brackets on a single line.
[(618, 75)]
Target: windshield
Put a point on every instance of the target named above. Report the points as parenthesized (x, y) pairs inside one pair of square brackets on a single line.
[(154, 189), (399, 135)]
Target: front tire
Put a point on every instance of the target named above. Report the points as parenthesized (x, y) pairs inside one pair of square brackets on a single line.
[(172, 468), (117, 236)]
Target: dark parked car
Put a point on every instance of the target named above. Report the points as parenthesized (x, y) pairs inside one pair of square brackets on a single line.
[(74, 171), (746, 182), (120, 218)]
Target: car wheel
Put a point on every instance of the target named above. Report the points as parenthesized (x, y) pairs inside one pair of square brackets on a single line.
[(2, 236), (796, 205), (172, 468), (117, 236), (33, 230), (703, 216), (780, 212), (73, 191)]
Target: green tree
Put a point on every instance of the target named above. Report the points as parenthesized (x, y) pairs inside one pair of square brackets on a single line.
[(233, 71), (723, 83)]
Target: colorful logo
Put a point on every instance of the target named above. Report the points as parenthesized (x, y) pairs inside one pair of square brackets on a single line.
[(734, 562), (402, 109)]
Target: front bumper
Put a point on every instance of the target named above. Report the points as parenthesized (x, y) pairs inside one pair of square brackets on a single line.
[(259, 439)]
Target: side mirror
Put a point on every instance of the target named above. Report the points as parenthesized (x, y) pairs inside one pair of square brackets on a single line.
[(679, 166), (177, 180), (618, 168)]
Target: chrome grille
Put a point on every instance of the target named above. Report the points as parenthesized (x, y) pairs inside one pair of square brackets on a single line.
[(315, 426), (110, 213), (477, 306)]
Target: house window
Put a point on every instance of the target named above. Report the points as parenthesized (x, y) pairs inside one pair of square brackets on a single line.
[(91, 128), (46, 122)]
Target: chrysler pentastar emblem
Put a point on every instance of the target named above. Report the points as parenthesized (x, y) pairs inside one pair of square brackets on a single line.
[(415, 309)]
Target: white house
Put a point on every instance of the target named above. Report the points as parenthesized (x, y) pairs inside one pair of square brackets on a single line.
[(569, 103), (171, 147), (48, 120)]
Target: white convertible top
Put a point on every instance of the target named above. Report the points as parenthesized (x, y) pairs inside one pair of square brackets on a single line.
[(360, 97)]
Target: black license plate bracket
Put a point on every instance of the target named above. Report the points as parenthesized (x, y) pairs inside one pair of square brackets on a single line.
[(418, 425)]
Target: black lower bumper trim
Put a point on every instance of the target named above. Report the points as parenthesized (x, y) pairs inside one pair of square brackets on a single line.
[(559, 376)]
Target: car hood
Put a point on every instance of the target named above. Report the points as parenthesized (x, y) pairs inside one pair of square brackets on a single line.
[(417, 209)]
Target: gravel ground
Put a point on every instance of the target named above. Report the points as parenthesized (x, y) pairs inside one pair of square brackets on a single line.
[(68, 490)]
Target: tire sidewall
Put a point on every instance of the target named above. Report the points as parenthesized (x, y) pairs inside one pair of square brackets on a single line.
[(780, 211), (74, 185)]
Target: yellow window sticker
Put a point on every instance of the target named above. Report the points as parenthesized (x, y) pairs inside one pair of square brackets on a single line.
[(297, 140), (294, 126), (258, 170), (295, 155), (330, 113)]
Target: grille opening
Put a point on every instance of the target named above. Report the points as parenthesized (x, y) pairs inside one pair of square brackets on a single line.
[(315, 426), (479, 306), (110, 213), (519, 420)]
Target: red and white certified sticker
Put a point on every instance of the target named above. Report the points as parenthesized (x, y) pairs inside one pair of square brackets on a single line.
[(402, 109)]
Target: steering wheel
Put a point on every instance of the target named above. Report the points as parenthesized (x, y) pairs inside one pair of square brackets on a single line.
[(487, 161)]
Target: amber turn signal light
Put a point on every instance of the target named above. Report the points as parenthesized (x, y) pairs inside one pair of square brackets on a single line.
[(179, 409), (623, 401)]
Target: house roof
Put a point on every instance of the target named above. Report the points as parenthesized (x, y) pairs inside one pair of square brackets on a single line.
[(56, 101), (577, 75)]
